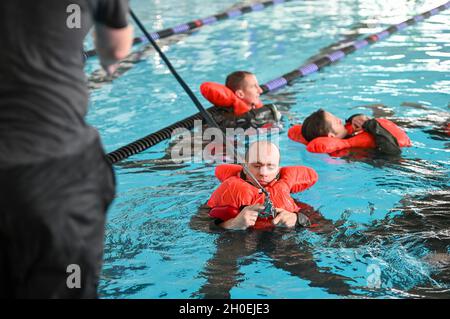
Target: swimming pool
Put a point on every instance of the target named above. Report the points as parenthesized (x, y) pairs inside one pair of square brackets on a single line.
[(392, 238)]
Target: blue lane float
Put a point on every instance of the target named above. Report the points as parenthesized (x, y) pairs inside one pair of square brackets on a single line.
[(341, 53)]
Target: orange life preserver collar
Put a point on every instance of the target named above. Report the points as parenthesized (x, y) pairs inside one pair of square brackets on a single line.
[(221, 96)]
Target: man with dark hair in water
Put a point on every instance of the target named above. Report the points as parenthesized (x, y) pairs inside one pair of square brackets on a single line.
[(323, 123), (245, 85)]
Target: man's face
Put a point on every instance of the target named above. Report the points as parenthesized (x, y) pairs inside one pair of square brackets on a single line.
[(264, 162), (337, 128), (249, 90)]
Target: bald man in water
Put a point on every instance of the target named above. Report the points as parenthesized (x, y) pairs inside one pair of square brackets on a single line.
[(263, 162)]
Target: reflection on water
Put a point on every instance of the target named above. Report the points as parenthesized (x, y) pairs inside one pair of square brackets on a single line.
[(237, 248), (414, 244), (412, 248)]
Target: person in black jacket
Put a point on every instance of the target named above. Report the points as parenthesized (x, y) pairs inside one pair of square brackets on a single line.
[(55, 182)]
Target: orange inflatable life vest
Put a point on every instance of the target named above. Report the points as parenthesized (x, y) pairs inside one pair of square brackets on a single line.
[(235, 192), (221, 96), (362, 140)]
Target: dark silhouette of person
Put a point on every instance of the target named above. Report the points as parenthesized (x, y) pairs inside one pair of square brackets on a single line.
[(55, 181)]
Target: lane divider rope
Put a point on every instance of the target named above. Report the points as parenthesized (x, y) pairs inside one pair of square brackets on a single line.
[(196, 24)]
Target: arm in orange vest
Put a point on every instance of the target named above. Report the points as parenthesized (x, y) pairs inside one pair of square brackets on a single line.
[(298, 178), (225, 171), (219, 95)]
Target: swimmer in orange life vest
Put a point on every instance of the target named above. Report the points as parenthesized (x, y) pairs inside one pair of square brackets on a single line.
[(323, 132), (240, 95), (237, 203)]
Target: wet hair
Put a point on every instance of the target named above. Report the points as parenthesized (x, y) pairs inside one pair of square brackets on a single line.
[(315, 126), (234, 80)]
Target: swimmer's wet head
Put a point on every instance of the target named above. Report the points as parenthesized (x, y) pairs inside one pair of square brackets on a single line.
[(263, 162), (246, 87), (322, 123)]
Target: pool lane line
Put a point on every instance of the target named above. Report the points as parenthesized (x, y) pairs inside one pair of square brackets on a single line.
[(98, 77), (152, 139), (196, 24), (335, 56)]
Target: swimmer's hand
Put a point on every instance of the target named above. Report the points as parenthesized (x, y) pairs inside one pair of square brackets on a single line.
[(284, 218), (110, 69), (358, 121), (303, 220), (245, 219)]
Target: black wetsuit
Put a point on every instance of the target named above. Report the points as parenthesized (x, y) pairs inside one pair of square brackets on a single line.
[(255, 118), (385, 142), (55, 183)]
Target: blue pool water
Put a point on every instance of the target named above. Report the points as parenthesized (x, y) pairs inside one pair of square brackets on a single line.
[(392, 235)]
